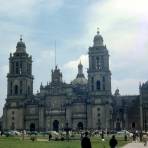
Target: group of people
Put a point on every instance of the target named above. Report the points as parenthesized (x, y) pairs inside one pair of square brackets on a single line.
[(139, 137), (85, 142)]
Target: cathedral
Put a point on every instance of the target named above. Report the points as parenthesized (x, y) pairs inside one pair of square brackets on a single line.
[(85, 103)]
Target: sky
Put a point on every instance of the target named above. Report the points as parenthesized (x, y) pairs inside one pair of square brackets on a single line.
[(73, 25)]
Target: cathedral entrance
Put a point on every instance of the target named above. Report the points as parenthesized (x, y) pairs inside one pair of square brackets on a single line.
[(32, 127), (80, 126), (133, 125), (56, 125), (118, 126)]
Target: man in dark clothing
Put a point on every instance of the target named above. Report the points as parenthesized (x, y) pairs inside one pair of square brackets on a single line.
[(113, 142), (49, 136), (85, 143)]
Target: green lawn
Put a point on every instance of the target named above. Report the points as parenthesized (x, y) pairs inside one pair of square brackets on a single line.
[(13, 142)]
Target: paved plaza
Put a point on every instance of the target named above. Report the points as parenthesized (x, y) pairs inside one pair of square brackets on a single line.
[(135, 145)]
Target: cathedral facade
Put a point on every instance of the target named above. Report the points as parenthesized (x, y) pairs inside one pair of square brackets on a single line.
[(82, 104)]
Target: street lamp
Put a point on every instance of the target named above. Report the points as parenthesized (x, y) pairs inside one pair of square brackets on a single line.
[(67, 131)]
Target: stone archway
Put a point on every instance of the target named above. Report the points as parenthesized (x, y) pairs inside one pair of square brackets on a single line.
[(80, 126), (32, 127), (133, 125), (56, 125), (118, 126)]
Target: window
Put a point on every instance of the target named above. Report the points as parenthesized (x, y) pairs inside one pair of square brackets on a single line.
[(93, 62), (17, 68), (13, 112), (98, 65), (12, 67), (103, 83), (98, 85), (11, 88), (102, 61), (28, 68), (92, 80), (92, 83), (13, 118), (92, 87), (103, 86), (21, 86), (16, 89), (12, 126), (98, 114), (98, 109), (28, 90)]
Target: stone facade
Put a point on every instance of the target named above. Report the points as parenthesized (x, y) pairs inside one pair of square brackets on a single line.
[(82, 104)]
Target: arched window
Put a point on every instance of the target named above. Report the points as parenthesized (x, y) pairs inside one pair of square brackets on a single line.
[(98, 64), (93, 62), (16, 90), (21, 86), (12, 67), (17, 68), (28, 90), (98, 85), (103, 83), (92, 83), (11, 88)]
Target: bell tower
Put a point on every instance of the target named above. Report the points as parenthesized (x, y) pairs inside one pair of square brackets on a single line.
[(99, 75), (99, 85), (20, 78), (19, 88)]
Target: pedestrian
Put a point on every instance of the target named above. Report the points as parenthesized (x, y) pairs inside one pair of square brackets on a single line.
[(85, 142), (140, 136), (134, 137), (125, 137), (113, 142), (49, 136), (145, 138), (102, 135)]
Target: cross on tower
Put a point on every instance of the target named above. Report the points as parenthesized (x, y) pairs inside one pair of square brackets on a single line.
[(21, 38), (98, 30)]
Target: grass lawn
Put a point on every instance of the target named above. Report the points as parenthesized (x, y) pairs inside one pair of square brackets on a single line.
[(14, 142)]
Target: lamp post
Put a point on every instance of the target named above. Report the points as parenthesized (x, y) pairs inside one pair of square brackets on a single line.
[(67, 131), (145, 120)]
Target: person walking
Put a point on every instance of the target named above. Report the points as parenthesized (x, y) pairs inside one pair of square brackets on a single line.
[(145, 138), (85, 142), (113, 142)]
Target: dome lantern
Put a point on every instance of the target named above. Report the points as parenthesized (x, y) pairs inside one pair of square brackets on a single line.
[(98, 39), (21, 47)]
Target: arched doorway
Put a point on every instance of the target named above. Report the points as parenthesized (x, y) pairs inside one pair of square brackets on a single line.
[(133, 125), (80, 126), (56, 125), (32, 127), (118, 126)]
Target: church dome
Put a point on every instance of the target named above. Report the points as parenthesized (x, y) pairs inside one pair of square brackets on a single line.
[(20, 47), (80, 79), (98, 40)]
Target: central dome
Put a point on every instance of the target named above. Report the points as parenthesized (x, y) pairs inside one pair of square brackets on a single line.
[(80, 79)]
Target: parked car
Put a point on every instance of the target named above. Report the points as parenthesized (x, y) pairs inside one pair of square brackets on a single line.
[(12, 133), (123, 132)]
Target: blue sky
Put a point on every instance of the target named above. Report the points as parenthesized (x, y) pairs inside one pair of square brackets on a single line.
[(73, 24)]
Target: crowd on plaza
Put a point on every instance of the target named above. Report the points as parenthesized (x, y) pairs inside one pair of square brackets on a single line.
[(84, 136)]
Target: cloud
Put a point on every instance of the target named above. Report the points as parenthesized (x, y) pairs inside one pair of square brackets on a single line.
[(71, 68), (126, 86), (23, 8), (3, 71)]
